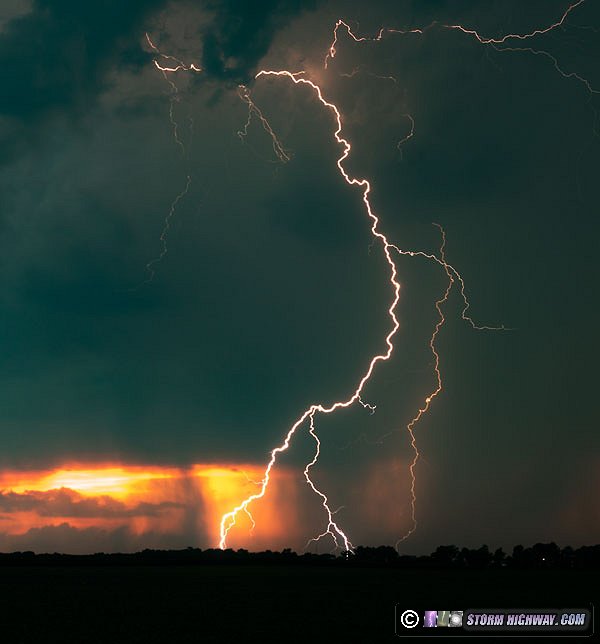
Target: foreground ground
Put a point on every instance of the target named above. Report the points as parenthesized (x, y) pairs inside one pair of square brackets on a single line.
[(231, 603)]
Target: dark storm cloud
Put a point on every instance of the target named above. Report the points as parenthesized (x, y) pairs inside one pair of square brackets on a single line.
[(55, 57), (242, 33), (68, 503), (271, 297)]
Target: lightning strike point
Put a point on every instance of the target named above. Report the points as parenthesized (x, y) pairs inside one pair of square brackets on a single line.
[(169, 65)]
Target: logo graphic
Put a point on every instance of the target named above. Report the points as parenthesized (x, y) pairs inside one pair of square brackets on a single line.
[(430, 619), (456, 618), (443, 617)]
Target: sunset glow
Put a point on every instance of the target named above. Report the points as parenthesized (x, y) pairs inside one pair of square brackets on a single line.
[(116, 481), (160, 500)]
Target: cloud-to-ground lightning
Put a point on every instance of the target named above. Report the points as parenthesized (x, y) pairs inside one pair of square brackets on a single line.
[(229, 519), (438, 388), (450, 271), (332, 529), (453, 276), (390, 250)]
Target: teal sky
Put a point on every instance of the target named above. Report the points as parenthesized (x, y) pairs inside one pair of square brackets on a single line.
[(270, 296)]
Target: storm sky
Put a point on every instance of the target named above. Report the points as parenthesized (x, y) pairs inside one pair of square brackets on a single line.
[(271, 295)]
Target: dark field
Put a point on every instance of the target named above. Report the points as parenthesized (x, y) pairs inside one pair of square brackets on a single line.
[(256, 603)]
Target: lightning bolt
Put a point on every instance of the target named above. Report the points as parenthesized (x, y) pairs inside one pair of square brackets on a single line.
[(411, 120), (177, 65), (332, 51), (438, 388), (306, 419), (532, 34), (492, 42), (280, 152), (166, 71), (229, 519), (332, 528), (180, 66), (165, 231), (452, 275), (409, 136)]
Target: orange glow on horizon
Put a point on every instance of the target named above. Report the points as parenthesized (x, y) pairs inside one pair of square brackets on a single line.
[(142, 498), (269, 522), (116, 481)]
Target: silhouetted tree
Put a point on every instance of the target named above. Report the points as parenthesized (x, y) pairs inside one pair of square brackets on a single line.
[(479, 558), (445, 555), (567, 557), (541, 555), (499, 558), (380, 555), (587, 557)]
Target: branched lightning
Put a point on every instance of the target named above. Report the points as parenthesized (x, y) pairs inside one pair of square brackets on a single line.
[(180, 66), (331, 52), (229, 519), (332, 529), (177, 65), (166, 71), (168, 65), (453, 277), (449, 268), (280, 152), (252, 521), (507, 38), (493, 42), (359, 69), (438, 387), (531, 34), (555, 64)]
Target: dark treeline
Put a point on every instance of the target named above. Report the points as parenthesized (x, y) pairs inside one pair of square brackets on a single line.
[(541, 555)]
